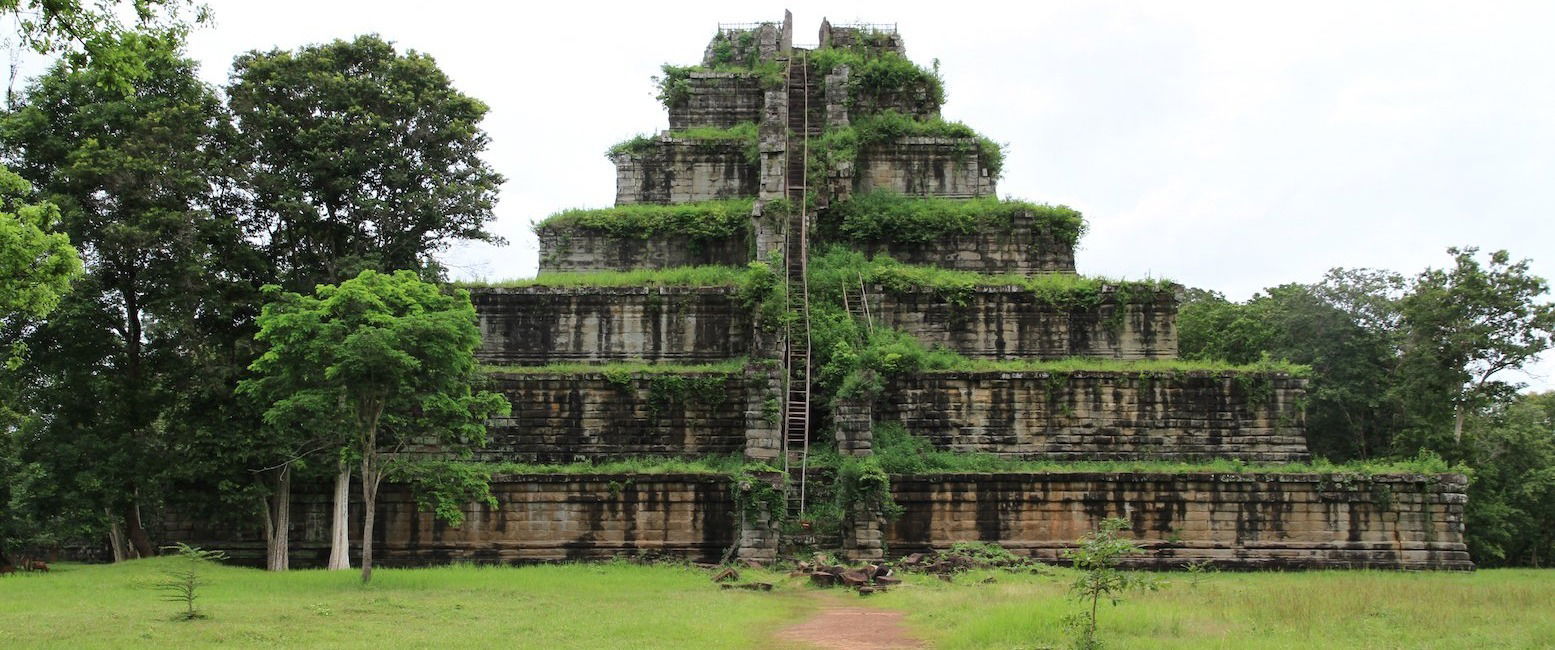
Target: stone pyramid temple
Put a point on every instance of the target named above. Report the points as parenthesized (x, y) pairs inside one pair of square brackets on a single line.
[(809, 323)]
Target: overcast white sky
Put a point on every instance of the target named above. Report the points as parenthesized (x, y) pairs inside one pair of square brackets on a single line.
[(1227, 145)]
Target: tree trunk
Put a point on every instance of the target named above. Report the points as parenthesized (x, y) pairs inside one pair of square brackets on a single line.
[(1457, 425), (278, 523), (340, 531), (116, 541), (370, 478), (139, 541)]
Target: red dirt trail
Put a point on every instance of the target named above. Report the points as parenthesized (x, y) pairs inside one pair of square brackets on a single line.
[(851, 628)]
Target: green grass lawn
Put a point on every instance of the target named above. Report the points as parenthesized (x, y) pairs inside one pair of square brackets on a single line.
[(628, 606), (557, 606), (1319, 609)]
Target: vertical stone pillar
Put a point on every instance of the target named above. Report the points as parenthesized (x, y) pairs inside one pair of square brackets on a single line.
[(769, 41), (853, 421), (772, 142), (864, 536), (763, 409), (786, 35), (836, 89), (758, 533)]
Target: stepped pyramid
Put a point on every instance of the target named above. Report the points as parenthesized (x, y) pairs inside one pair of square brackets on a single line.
[(822, 186)]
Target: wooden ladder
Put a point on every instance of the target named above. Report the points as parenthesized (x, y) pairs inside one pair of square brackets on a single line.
[(796, 253), (855, 299)]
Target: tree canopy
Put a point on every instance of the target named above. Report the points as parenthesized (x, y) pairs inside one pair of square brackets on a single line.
[(378, 364), (359, 157)]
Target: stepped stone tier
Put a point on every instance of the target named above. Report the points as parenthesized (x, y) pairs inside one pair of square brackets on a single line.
[(1013, 323), (540, 325), (752, 398), (563, 417), (1103, 415), (1246, 521)]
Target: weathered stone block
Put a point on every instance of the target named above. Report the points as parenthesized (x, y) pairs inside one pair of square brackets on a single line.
[(685, 171), (573, 249), (540, 325), (945, 167), (1024, 248), (718, 99), (1013, 323), (1181, 518), (565, 417)]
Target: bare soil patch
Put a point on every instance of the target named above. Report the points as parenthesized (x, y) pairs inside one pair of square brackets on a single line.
[(851, 628)]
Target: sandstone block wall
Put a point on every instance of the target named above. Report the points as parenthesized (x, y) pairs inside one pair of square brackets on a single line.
[(1013, 323), (684, 171), (538, 518), (719, 99), (944, 167), (916, 101), (1025, 248), (1234, 520), (540, 325), (560, 418), (1103, 416), (574, 249)]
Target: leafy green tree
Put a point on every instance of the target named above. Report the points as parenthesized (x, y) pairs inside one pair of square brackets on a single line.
[(37, 264), (1467, 325), (358, 157), (1510, 519), (135, 177), (1097, 557), (92, 33), (1338, 326), (381, 362)]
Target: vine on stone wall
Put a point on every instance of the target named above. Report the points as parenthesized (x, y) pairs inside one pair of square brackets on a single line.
[(754, 496)]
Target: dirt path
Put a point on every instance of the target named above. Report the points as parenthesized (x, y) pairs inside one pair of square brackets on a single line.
[(838, 627)]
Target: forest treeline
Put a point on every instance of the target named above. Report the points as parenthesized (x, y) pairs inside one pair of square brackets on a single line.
[(1410, 366), (152, 222)]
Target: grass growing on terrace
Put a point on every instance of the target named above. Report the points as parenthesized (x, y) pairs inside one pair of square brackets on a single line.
[(744, 133), (898, 452), (839, 266), (1053, 288), (622, 368), (702, 220), (888, 216), (878, 72), (712, 465), (1154, 367), (680, 276), (839, 145)]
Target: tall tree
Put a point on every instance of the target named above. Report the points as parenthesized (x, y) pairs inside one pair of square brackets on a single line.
[(37, 264), (1467, 325), (383, 361), (1338, 327), (358, 157), (134, 176), (92, 33), (1510, 519)]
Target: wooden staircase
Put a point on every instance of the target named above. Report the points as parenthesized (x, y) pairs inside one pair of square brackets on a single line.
[(796, 253), (856, 301)]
